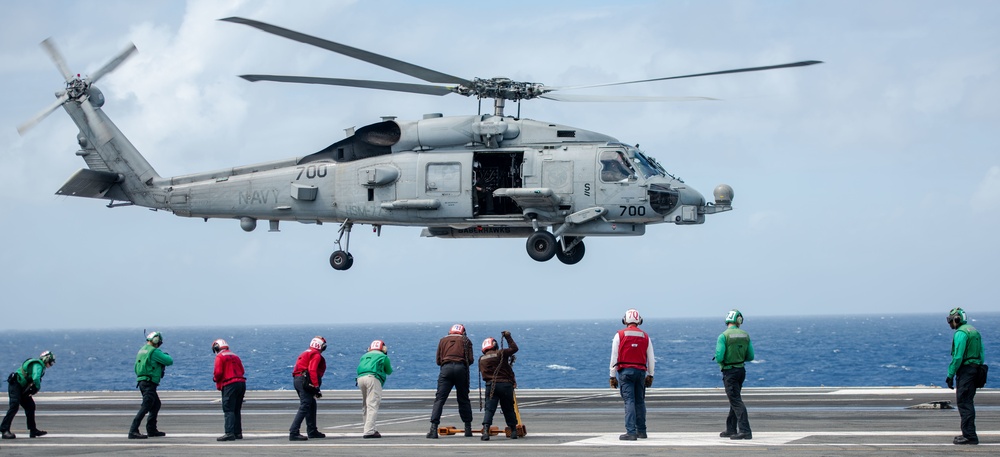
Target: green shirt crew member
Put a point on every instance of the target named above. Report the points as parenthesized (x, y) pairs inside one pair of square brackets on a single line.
[(373, 367), (21, 385), (966, 361), (732, 349), (150, 364)]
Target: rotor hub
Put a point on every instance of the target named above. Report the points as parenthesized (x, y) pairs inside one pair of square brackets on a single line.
[(76, 87), (501, 88)]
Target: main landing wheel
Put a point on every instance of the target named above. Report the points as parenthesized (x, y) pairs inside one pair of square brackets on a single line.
[(542, 246), (341, 260), (574, 255)]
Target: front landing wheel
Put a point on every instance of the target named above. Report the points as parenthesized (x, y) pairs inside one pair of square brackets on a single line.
[(542, 246), (341, 260)]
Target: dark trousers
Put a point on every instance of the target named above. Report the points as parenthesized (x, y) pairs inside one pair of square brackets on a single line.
[(18, 398), (453, 375), (632, 386), (965, 391), (501, 393), (232, 406), (150, 404), (732, 380), (307, 407)]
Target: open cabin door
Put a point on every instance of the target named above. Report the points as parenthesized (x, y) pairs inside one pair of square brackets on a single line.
[(492, 171)]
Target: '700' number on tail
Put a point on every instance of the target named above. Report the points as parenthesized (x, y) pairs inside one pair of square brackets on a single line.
[(312, 172)]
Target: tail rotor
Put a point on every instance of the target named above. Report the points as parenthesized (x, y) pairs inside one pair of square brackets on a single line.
[(78, 89)]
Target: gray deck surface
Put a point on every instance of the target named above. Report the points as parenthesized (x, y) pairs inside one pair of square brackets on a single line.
[(564, 422)]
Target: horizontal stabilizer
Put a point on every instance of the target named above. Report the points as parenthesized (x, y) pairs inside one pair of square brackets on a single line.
[(91, 184)]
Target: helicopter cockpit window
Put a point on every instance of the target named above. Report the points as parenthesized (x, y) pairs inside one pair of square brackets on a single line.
[(614, 166), (645, 167)]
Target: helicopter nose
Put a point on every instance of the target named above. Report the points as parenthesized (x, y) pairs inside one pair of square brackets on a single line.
[(667, 199), (679, 204), (691, 197)]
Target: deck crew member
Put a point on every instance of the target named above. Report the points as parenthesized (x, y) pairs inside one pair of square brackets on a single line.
[(150, 365), (308, 376), (21, 385), (495, 367), (732, 349), (966, 361), (373, 368), (454, 355), (631, 371), (230, 378)]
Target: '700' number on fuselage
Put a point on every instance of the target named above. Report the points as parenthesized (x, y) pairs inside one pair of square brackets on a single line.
[(632, 210), (312, 172)]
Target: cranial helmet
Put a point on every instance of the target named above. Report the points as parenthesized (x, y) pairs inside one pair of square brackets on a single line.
[(957, 315), (155, 338), (489, 344), (377, 345), (318, 343), (734, 317), (47, 357), (632, 317), (457, 329), (219, 345)]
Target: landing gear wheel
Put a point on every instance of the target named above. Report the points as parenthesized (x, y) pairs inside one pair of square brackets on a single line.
[(341, 260), (574, 255), (542, 246)]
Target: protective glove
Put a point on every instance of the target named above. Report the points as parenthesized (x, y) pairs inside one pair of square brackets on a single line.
[(649, 381), (319, 394), (614, 382), (31, 390), (505, 334), (951, 382)]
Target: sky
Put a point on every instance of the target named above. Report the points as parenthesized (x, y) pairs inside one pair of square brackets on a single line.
[(869, 184)]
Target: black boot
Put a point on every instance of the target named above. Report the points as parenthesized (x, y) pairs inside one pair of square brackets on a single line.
[(468, 429), (434, 431), (486, 432)]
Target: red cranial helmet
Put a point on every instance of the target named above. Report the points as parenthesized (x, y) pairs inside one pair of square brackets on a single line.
[(219, 345), (377, 345), (489, 344), (318, 343)]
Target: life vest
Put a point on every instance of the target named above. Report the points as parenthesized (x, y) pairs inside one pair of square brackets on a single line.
[(144, 366), (632, 345), (24, 373), (973, 345), (737, 342)]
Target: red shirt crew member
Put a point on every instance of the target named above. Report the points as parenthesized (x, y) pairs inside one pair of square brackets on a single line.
[(229, 378)]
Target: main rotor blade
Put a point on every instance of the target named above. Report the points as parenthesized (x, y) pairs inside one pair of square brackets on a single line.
[(364, 83), (113, 63), (27, 125), (360, 54), (57, 58), (616, 98), (738, 70)]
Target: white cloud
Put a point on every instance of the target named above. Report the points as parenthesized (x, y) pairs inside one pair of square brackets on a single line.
[(987, 194)]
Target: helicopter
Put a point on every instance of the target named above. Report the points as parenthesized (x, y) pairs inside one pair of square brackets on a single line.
[(469, 176)]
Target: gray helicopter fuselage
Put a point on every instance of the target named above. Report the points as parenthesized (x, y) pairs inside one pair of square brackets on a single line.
[(426, 177)]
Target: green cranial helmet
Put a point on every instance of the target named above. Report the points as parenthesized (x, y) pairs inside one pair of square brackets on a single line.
[(155, 338), (957, 315), (47, 358), (734, 317)]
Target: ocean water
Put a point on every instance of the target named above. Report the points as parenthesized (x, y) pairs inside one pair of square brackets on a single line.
[(811, 351)]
